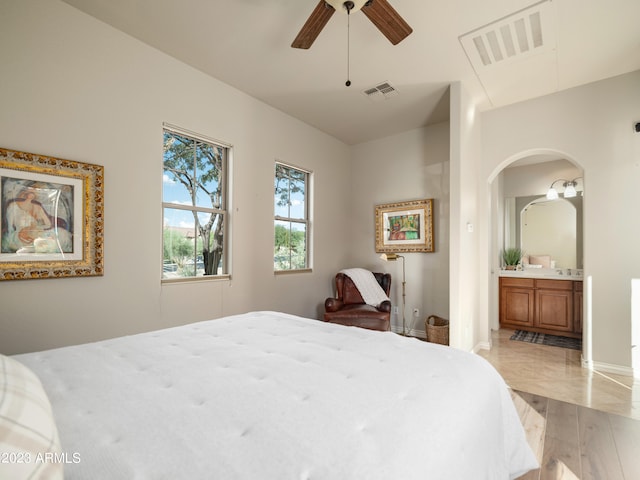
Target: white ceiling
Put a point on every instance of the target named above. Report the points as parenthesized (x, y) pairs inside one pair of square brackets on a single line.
[(246, 44)]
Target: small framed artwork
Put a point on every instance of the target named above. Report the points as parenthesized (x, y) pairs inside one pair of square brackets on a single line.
[(405, 226), (51, 214)]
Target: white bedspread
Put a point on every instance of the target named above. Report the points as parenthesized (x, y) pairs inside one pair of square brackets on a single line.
[(270, 396)]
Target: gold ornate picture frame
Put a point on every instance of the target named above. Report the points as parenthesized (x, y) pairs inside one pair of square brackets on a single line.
[(51, 215), (405, 227)]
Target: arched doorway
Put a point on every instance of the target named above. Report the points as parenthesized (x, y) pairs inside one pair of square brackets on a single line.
[(529, 175)]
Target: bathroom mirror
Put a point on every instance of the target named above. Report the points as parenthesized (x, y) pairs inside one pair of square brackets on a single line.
[(546, 227)]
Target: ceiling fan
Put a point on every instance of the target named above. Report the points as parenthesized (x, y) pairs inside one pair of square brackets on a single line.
[(383, 16)]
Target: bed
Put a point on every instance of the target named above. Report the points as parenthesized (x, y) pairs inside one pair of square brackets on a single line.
[(267, 395)]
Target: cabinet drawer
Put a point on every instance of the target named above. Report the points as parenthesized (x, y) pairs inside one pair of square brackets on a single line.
[(577, 286), (555, 284), (517, 282)]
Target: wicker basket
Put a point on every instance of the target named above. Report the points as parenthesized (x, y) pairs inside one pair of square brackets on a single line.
[(437, 329)]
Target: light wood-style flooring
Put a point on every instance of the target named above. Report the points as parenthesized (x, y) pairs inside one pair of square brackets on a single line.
[(579, 442), (582, 425)]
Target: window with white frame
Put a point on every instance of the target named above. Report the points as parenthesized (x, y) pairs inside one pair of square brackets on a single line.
[(194, 203), (291, 222)]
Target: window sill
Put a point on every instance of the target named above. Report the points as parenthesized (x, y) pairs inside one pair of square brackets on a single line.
[(208, 278), (289, 272)]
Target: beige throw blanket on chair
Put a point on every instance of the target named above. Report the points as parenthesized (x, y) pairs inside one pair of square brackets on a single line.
[(366, 283)]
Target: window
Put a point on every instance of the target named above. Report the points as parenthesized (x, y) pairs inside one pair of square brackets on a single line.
[(194, 206), (291, 224)]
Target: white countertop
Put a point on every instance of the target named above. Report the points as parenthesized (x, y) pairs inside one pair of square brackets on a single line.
[(546, 273)]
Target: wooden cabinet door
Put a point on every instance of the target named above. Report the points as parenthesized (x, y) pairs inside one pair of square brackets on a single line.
[(554, 310), (517, 307), (541, 305)]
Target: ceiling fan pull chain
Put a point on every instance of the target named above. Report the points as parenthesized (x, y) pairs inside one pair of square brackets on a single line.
[(348, 6)]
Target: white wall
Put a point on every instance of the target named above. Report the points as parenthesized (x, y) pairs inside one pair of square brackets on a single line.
[(469, 299), (75, 88), (592, 126), (409, 166)]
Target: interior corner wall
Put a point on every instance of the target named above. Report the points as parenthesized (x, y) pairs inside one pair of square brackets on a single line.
[(408, 166), (593, 126), (75, 88), (469, 295)]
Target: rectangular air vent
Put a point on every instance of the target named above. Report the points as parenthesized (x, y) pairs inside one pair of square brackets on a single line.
[(382, 91), (514, 37)]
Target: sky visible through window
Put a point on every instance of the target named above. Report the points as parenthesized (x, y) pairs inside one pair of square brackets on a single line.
[(177, 193), (294, 186)]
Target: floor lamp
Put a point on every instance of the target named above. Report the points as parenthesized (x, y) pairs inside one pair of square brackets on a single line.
[(392, 257)]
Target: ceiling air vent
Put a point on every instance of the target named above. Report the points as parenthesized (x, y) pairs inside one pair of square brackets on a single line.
[(524, 33), (381, 91)]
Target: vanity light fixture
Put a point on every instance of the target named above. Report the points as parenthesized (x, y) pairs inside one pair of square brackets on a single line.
[(569, 188)]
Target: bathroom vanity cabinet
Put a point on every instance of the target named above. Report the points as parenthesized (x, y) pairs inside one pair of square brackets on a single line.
[(541, 305)]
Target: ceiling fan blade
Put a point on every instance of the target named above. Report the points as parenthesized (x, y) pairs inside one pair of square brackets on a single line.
[(314, 25), (388, 21)]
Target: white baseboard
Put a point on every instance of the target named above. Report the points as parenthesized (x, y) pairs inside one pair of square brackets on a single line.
[(586, 364), (610, 368), (411, 332), (481, 346), (423, 335)]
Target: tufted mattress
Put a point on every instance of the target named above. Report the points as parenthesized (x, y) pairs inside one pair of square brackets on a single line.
[(271, 396)]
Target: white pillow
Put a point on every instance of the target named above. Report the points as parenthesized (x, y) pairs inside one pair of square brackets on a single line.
[(29, 439)]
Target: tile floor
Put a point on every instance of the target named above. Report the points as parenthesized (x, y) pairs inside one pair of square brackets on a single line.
[(557, 373)]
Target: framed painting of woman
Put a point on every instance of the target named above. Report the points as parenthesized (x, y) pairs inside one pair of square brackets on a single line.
[(51, 217)]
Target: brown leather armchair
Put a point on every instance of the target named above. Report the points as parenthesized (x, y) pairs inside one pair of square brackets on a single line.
[(350, 309)]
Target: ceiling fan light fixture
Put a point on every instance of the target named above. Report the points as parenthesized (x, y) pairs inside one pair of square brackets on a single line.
[(341, 5), (379, 12)]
